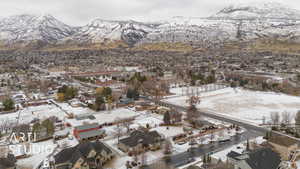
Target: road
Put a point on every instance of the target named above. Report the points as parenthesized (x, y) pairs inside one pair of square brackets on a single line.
[(184, 158), (220, 117), (252, 131), (189, 156), (245, 124)]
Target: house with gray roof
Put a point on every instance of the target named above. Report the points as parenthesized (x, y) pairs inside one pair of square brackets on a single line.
[(140, 140), (263, 158), (87, 155)]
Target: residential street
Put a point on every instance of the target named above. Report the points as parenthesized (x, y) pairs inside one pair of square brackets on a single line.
[(189, 156)]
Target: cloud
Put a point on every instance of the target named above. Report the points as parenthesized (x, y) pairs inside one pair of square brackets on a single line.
[(79, 12)]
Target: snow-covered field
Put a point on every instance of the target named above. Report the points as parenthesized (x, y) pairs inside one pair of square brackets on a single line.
[(105, 116), (246, 105)]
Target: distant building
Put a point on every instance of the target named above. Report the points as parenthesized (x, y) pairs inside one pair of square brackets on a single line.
[(140, 140), (255, 77), (88, 155), (264, 158), (88, 132)]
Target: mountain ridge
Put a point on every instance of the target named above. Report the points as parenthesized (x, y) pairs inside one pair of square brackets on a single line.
[(232, 23)]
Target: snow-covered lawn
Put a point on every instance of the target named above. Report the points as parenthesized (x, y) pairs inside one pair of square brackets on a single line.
[(105, 116), (143, 120), (247, 105), (38, 152), (169, 132), (28, 114), (75, 110)]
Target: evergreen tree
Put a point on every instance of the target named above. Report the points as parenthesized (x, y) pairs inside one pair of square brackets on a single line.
[(49, 125), (297, 122), (167, 118), (8, 104), (132, 94), (99, 103)]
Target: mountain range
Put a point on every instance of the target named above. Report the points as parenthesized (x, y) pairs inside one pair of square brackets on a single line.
[(235, 22)]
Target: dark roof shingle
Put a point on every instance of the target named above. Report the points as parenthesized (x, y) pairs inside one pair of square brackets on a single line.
[(82, 150)]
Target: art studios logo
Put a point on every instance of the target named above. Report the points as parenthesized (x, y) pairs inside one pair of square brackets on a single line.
[(26, 143)]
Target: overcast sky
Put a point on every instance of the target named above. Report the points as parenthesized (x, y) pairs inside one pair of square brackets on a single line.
[(80, 12)]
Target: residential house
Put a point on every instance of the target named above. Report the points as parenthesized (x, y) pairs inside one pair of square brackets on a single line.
[(140, 140), (283, 145), (88, 132), (87, 155), (263, 158)]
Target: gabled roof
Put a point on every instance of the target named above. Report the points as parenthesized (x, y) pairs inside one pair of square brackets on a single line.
[(92, 133), (144, 137), (87, 126), (80, 151), (65, 155), (263, 158), (233, 154)]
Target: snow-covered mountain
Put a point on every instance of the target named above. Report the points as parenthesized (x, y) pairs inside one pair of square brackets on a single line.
[(27, 28), (258, 10), (105, 30), (236, 22)]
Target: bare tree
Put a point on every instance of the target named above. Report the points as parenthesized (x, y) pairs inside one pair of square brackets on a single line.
[(264, 120), (168, 147), (275, 118), (286, 118), (126, 123), (297, 122), (143, 159), (212, 136), (118, 129), (192, 115)]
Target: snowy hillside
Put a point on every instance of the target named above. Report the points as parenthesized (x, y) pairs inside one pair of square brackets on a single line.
[(242, 21), (258, 10), (105, 30), (24, 28)]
